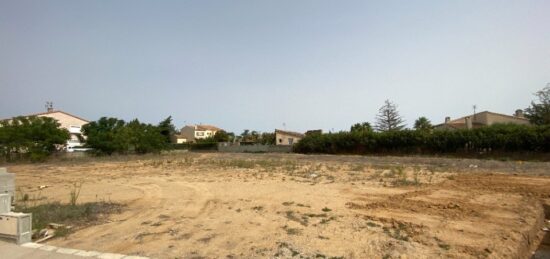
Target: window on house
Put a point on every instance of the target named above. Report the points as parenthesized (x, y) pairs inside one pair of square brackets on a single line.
[(290, 141), (280, 140), (199, 133)]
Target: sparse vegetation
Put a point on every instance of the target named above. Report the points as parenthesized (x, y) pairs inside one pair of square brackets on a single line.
[(68, 214), (398, 232), (292, 231)]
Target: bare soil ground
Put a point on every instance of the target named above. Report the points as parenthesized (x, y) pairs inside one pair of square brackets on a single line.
[(209, 205)]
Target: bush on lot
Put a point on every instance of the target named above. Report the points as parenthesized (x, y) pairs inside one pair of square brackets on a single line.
[(496, 138), (31, 137)]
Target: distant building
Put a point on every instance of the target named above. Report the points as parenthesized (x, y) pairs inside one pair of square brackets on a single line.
[(191, 133), (67, 121), (287, 138), (483, 119), (314, 132)]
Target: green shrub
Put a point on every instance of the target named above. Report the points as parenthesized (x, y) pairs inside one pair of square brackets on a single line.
[(496, 138)]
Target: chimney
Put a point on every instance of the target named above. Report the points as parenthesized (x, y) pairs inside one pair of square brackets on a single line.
[(447, 120), (519, 113), (468, 122)]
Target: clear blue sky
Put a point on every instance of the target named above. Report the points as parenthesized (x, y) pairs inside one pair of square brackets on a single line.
[(258, 64)]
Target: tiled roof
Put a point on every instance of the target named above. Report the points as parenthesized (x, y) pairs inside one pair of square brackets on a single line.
[(207, 127), (55, 111), (291, 133)]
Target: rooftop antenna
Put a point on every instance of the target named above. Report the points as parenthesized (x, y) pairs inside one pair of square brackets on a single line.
[(475, 107), (49, 106), (284, 126)]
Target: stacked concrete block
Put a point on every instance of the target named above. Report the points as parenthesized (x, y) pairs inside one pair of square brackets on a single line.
[(13, 225), (7, 183), (5, 203)]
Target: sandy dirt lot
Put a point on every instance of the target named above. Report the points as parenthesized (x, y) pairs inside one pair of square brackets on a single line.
[(209, 205)]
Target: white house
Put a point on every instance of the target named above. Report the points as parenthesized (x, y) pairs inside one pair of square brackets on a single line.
[(67, 121), (191, 133)]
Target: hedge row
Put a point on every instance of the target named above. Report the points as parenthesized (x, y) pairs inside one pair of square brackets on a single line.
[(196, 146), (496, 138)]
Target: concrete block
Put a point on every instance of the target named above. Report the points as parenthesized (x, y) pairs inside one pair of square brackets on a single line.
[(5, 203), (7, 182)]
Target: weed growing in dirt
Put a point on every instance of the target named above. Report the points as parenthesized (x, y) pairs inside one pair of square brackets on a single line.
[(68, 214), (372, 224), (285, 246), (292, 231), (325, 209), (75, 193), (326, 221), (396, 172), (444, 246), (357, 167), (292, 216), (313, 215), (398, 233), (62, 231)]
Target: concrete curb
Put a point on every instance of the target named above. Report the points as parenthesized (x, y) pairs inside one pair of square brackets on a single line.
[(78, 253)]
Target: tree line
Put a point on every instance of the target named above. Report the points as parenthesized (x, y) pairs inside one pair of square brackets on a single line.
[(390, 136), (35, 138), (107, 136)]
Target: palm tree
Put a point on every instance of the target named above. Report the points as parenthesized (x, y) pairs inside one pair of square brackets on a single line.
[(423, 124)]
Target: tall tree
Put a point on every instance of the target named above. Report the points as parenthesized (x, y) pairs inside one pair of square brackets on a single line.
[(167, 129), (267, 138), (104, 135), (361, 127), (221, 136), (539, 112), (423, 124), (388, 118), (32, 137)]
